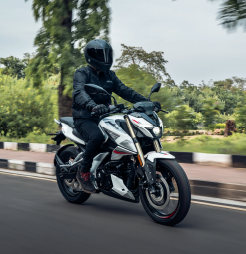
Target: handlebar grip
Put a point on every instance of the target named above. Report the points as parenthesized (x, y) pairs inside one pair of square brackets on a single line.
[(111, 108)]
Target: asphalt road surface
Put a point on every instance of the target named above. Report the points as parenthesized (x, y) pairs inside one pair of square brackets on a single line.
[(35, 218)]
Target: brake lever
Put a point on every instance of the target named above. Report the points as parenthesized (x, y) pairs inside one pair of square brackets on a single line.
[(167, 112), (158, 110)]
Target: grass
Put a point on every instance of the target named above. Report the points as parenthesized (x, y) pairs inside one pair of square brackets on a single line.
[(235, 144)]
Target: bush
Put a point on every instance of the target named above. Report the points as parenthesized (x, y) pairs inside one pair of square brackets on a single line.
[(183, 118), (22, 107), (222, 118), (220, 126), (241, 117), (210, 110)]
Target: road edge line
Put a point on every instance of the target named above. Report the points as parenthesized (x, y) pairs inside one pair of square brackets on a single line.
[(216, 205)]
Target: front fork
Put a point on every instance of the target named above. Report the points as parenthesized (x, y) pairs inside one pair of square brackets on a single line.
[(157, 146), (148, 167), (141, 158)]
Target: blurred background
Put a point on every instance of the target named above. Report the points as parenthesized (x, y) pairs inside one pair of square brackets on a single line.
[(195, 49)]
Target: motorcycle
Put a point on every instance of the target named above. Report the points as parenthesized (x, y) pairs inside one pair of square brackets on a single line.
[(130, 165)]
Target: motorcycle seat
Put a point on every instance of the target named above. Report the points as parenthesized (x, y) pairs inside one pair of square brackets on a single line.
[(76, 134), (68, 121)]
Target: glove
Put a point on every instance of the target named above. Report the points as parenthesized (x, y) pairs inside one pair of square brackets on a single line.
[(100, 109), (157, 104)]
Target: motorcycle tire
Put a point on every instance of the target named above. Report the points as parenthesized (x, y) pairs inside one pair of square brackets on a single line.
[(184, 197), (75, 197)]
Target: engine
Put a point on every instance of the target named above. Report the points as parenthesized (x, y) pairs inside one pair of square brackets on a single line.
[(103, 173)]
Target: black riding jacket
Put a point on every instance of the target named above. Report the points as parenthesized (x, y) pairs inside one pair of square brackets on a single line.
[(83, 102)]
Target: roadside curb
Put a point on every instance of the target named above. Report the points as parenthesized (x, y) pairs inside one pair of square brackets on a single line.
[(34, 167), (224, 160), (218, 190), (221, 160), (32, 147)]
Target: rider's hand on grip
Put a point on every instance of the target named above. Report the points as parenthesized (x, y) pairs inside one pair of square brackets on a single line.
[(99, 110)]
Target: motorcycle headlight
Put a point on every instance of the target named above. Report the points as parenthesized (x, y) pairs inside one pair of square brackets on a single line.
[(157, 131)]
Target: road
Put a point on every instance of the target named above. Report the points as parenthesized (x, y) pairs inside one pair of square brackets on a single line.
[(35, 219)]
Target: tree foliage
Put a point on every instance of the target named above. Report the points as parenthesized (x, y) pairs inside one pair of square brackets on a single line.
[(210, 109), (233, 14), (153, 62), (241, 115), (67, 26), (183, 118), (14, 66), (228, 93)]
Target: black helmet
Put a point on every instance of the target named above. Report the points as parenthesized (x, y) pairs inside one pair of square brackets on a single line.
[(99, 54)]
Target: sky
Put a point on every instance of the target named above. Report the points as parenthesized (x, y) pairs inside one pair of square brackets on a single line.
[(196, 46)]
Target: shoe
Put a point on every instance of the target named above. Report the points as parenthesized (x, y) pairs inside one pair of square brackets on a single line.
[(85, 182)]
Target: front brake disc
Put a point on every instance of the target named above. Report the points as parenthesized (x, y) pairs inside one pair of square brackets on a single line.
[(164, 195)]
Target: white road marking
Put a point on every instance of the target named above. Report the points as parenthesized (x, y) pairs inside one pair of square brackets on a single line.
[(28, 175), (200, 198), (218, 200), (221, 206)]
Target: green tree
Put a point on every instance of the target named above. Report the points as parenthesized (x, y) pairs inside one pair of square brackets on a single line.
[(241, 116), (67, 26), (210, 109), (13, 66), (169, 82), (153, 62), (229, 92)]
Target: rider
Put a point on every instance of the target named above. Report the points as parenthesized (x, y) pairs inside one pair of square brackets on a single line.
[(99, 55)]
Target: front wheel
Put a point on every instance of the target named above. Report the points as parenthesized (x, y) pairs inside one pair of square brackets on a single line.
[(168, 201)]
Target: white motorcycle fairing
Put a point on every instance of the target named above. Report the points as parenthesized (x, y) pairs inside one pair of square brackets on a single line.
[(151, 156), (121, 138)]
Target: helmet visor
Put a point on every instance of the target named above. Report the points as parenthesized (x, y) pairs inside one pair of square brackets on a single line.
[(101, 55)]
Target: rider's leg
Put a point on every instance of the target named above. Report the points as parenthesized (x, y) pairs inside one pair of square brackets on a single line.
[(89, 130)]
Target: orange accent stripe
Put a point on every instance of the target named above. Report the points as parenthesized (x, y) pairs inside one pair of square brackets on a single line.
[(139, 159)]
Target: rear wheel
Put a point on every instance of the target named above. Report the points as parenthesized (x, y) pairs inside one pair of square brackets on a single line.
[(168, 201), (68, 187)]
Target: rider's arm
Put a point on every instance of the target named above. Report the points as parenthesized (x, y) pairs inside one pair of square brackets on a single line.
[(124, 91), (80, 96)]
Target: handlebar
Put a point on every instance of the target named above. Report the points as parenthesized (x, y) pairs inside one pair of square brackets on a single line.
[(120, 108), (112, 110)]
